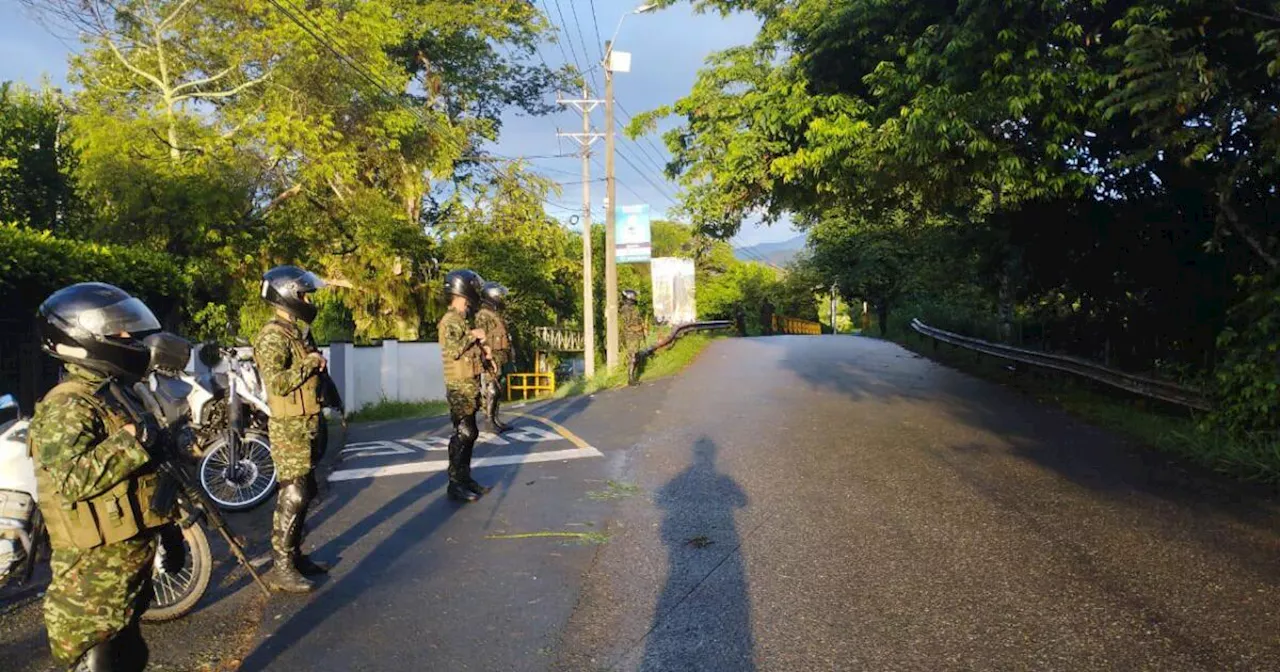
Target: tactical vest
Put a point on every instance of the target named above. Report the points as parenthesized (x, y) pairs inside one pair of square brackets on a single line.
[(495, 332), (306, 399), (467, 367), (121, 513)]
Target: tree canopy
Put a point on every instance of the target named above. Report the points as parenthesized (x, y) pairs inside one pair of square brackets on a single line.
[(1101, 173)]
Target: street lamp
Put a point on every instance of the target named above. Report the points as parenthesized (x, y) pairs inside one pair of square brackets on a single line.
[(646, 7), (611, 207)]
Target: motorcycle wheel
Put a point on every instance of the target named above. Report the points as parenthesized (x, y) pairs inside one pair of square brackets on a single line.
[(175, 594), (254, 481)]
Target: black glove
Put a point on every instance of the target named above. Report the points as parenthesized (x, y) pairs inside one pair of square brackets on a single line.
[(172, 550), (148, 433)]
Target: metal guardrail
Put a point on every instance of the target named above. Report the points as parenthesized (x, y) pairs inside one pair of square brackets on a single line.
[(633, 374), (541, 382), (1141, 385), (795, 325)]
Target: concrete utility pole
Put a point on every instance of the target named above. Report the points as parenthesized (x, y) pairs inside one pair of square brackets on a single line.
[(622, 64), (584, 139), (611, 221)]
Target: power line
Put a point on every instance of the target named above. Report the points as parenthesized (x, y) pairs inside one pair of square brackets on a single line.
[(595, 22), (647, 140), (348, 60), (315, 30), (618, 180), (573, 6), (559, 43), (645, 177), (565, 29), (655, 165)]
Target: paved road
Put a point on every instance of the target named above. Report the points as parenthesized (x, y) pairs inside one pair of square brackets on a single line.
[(790, 503)]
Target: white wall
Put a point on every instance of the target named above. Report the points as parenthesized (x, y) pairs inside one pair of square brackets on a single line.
[(394, 371), (421, 371)]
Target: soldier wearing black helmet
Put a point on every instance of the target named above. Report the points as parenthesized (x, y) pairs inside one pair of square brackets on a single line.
[(293, 371), (96, 477), (489, 318), (462, 348)]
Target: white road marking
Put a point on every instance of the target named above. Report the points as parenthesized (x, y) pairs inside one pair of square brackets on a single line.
[(432, 466), (375, 449), (526, 434)]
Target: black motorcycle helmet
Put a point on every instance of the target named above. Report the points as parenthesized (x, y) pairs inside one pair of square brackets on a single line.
[(463, 282), (289, 288), (494, 295), (97, 326), (630, 297)]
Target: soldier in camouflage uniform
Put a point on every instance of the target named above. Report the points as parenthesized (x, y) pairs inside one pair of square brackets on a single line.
[(497, 348), (293, 370), (462, 348), (96, 477), (634, 329)]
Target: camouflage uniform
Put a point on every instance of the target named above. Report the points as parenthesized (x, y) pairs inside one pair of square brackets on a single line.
[(293, 377), (633, 329), (85, 460), (293, 434), (499, 342), (463, 363)]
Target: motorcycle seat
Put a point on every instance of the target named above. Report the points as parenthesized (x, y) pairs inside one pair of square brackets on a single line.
[(214, 382)]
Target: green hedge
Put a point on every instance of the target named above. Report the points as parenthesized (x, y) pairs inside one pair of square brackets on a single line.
[(34, 264)]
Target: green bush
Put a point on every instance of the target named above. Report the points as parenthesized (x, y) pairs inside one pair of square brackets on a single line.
[(1247, 376), (34, 264)]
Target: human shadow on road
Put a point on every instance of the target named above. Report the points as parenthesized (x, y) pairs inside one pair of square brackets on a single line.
[(703, 617), (356, 579)]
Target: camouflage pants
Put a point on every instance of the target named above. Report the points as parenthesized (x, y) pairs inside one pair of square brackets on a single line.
[(96, 593), (293, 445), (463, 397)]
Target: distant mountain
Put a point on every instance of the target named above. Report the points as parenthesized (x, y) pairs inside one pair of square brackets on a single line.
[(775, 253)]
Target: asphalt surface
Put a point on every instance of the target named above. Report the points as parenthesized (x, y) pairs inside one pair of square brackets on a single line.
[(790, 503)]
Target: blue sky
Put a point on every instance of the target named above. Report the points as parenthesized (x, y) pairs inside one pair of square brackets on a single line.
[(668, 47)]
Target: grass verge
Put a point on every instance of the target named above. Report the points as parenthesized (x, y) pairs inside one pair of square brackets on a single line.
[(388, 409), (1152, 423), (667, 362)]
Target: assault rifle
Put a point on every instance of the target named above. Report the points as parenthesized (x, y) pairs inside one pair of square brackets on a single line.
[(177, 487)]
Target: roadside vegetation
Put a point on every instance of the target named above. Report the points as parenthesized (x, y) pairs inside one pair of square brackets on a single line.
[(388, 409), (666, 362), (1153, 424), (1090, 178)]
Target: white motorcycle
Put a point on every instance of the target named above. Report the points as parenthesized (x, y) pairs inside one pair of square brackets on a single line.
[(23, 538), (227, 409)]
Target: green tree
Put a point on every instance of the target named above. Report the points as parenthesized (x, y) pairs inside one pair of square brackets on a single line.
[(36, 160), (230, 134)]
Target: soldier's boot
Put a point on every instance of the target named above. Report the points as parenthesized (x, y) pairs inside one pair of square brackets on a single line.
[(286, 531), (468, 446), (492, 411), (458, 471), (463, 488), (126, 652), (305, 565)]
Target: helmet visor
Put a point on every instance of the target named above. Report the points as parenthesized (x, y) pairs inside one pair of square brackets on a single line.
[(310, 282), (130, 316)]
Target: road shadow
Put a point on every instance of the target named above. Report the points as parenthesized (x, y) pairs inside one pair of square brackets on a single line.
[(1109, 468), (703, 617), (355, 580)]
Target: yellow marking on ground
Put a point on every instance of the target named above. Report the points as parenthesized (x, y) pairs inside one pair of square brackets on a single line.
[(556, 427)]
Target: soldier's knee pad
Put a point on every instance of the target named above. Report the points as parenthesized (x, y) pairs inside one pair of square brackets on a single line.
[(467, 429), (293, 495)]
